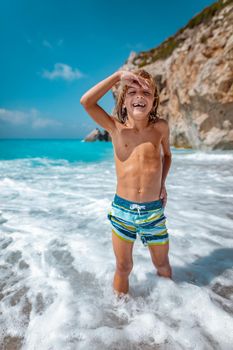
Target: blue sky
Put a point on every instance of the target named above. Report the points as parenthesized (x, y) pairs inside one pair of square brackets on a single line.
[(53, 51)]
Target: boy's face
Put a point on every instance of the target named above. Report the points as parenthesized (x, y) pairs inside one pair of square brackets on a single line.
[(137, 95)]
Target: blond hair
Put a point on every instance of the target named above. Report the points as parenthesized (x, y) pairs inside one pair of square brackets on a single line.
[(121, 113)]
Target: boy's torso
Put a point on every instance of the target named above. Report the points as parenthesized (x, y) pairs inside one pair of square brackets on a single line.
[(138, 162)]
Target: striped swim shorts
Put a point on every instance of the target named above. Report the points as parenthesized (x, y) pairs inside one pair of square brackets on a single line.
[(147, 219)]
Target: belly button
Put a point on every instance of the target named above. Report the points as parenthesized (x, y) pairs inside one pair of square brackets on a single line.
[(126, 145), (139, 191)]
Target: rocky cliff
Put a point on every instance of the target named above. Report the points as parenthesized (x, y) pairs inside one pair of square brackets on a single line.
[(194, 73)]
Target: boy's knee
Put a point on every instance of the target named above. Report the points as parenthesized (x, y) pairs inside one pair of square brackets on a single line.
[(124, 268)]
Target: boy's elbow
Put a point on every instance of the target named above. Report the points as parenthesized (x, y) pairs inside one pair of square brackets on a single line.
[(82, 101), (85, 99), (85, 102)]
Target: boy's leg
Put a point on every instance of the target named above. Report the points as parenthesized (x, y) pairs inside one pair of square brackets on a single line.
[(159, 256), (124, 263)]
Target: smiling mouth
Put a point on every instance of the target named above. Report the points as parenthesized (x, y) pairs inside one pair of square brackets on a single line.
[(139, 105)]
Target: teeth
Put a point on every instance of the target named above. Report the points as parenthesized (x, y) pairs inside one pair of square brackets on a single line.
[(138, 105)]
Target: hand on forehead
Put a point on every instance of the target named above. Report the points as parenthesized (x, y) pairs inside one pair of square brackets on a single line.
[(145, 85), (132, 80)]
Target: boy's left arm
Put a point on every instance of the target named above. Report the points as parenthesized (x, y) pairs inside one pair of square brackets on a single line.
[(166, 159)]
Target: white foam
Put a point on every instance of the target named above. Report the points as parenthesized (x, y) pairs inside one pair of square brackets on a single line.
[(207, 157), (57, 261)]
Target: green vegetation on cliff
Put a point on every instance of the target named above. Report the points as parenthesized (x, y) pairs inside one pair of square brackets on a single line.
[(165, 49)]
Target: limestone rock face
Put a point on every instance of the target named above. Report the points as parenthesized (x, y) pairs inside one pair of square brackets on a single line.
[(194, 72), (98, 135)]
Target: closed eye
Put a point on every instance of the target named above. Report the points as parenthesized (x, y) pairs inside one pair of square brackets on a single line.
[(145, 92)]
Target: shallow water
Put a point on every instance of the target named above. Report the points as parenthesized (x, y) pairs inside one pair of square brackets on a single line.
[(57, 262)]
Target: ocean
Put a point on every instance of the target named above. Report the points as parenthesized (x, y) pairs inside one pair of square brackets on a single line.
[(57, 262)]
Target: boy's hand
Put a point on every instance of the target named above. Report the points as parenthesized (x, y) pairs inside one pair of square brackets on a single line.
[(163, 195), (130, 79)]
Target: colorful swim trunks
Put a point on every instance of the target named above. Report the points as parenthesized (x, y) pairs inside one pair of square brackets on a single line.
[(147, 219)]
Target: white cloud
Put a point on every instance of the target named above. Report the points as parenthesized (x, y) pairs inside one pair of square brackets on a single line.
[(62, 71), (43, 123), (31, 118), (13, 117)]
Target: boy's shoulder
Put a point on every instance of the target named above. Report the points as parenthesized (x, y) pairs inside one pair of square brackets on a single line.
[(162, 123), (163, 127), (118, 124), (116, 120)]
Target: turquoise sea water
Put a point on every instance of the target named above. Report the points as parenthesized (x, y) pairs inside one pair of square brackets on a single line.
[(57, 263), (71, 150)]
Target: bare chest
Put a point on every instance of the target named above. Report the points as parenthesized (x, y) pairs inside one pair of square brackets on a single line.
[(137, 146)]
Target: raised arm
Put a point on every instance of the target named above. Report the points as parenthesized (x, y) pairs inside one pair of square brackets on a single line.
[(90, 98)]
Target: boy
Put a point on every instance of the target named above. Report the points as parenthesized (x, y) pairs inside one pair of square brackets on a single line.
[(138, 136)]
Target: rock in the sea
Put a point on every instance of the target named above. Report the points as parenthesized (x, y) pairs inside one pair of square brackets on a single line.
[(194, 72), (98, 135)]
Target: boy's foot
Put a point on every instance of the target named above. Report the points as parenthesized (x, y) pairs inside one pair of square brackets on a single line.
[(121, 298)]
